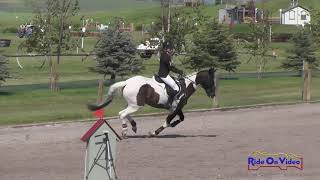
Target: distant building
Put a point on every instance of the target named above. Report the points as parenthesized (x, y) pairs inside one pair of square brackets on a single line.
[(193, 2), (295, 15), (238, 14)]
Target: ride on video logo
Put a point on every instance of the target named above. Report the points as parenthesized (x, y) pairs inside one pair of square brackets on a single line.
[(283, 161)]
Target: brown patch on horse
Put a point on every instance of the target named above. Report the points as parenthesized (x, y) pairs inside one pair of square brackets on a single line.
[(147, 95), (189, 90)]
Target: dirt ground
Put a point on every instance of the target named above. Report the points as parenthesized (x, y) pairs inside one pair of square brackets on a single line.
[(207, 145)]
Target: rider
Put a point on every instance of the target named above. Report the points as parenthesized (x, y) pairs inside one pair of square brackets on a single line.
[(166, 66)]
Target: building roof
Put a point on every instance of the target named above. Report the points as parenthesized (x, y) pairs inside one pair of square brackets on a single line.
[(95, 127), (286, 10)]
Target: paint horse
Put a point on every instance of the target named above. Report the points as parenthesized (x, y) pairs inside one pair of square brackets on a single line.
[(139, 91)]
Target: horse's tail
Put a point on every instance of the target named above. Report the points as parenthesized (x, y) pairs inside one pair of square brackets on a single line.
[(110, 95)]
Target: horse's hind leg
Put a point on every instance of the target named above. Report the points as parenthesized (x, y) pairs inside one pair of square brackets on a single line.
[(133, 123), (123, 114)]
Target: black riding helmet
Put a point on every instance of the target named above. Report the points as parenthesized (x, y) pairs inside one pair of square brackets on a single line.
[(167, 45), (168, 48)]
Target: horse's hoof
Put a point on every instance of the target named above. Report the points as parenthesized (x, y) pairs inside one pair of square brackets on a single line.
[(152, 134), (124, 135), (134, 129), (124, 132)]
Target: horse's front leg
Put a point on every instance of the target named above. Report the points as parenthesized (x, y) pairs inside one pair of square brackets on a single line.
[(181, 118), (165, 125)]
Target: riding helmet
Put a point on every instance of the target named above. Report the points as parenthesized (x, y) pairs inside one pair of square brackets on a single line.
[(167, 45)]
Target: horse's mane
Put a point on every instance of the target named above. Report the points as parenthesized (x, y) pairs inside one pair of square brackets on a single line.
[(195, 73), (192, 74)]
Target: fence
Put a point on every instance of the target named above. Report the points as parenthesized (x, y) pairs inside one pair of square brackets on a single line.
[(78, 86), (226, 76)]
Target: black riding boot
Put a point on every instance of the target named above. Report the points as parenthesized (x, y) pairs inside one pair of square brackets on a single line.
[(180, 95)]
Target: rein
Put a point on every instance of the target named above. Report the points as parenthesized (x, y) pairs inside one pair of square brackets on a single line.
[(186, 77)]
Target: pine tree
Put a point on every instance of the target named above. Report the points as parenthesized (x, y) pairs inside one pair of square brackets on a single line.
[(4, 71), (303, 50), (212, 47), (116, 55), (315, 25)]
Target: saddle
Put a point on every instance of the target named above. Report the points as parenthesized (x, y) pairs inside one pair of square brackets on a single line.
[(171, 93)]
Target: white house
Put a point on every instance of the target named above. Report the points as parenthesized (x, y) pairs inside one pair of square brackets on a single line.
[(296, 15)]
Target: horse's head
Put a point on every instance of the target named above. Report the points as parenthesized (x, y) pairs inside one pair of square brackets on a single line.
[(206, 80)]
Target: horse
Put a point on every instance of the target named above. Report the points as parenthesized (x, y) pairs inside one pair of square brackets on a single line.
[(139, 91)]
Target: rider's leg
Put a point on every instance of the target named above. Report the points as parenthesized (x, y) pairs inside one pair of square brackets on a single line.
[(169, 81), (179, 94)]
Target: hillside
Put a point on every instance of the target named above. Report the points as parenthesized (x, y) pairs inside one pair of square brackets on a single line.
[(85, 5), (133, 11)]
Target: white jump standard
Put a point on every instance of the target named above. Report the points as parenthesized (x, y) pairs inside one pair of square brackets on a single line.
[(101, 142)]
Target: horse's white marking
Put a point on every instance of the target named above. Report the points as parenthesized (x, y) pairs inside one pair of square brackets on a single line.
[(165, 124), (124, 122), (114, 87), (130, 94), (129, 110), (191, 79), (125, 114), (131, 90)]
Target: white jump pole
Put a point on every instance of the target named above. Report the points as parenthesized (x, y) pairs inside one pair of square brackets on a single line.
[(82, 38)]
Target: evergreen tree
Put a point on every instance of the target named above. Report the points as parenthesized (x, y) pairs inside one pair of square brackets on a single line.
[(116, 55), (303, 50), (212, 47), (4, 71), (315, 25)]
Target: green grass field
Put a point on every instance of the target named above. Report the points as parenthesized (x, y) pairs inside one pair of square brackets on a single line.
[(85, 6), (27, 105), (25, 98), (76, 69), (16, 12)]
